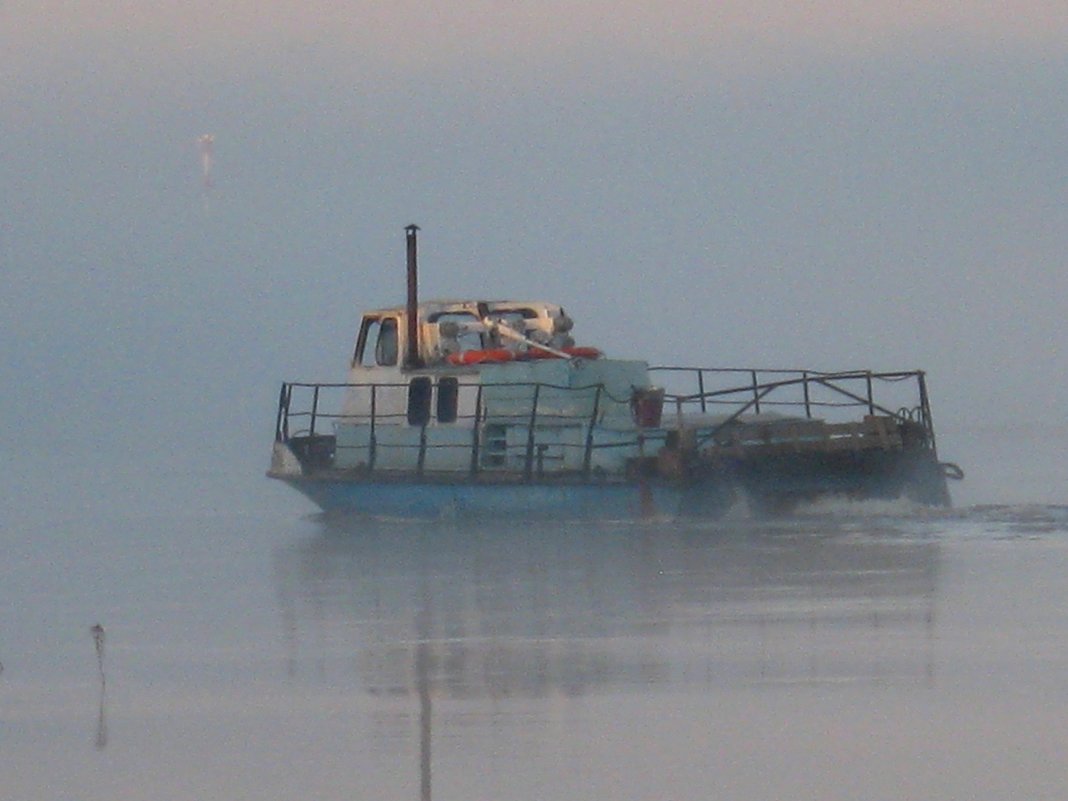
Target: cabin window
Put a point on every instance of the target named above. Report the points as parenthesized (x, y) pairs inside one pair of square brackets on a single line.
[(368, 333), (516, 319), (461, 336), (419, 392), (386, 346), (448, 395), (377, 343)]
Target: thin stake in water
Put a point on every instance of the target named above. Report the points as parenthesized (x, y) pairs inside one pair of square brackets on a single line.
[(101, 739), (98, 640)]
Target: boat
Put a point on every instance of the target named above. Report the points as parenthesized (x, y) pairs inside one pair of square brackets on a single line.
[(490, 407)]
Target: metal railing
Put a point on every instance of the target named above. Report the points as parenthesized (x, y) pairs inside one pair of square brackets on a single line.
[(302, 415), (720, 396), (809, 392)]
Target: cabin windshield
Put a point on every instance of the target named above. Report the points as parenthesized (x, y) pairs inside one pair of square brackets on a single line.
[(386, 347), (514, 319), (383, 333), (458, 331)]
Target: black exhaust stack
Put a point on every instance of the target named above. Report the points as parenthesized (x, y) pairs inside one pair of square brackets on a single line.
[(411, 358)]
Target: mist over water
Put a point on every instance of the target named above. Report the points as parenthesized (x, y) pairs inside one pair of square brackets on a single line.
[(781, 188), (256, 650)]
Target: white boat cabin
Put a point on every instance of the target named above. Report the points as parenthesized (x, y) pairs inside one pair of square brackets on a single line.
[(505, 367)]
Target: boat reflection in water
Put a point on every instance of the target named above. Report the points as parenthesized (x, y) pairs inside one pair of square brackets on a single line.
[(461, 614)]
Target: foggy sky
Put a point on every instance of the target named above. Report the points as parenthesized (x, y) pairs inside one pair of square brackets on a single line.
[(842, 186)]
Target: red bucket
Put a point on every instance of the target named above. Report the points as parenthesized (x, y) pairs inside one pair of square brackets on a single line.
[(647, 405)]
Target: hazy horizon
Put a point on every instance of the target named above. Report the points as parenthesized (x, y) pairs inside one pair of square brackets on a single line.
[(840, 187), (826, 185)]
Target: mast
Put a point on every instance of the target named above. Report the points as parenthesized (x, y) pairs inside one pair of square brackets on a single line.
[(411, 358)]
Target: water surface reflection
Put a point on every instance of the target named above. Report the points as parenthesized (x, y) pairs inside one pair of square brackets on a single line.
[(472, 634), (501, 612)]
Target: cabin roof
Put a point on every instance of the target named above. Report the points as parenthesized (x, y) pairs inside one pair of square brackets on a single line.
[(431, 307)]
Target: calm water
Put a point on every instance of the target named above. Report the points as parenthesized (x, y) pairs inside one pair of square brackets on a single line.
[(252, 651)]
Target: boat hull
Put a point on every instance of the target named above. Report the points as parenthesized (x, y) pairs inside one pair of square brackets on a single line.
[(465, 499), (551, 443), (767, 488)]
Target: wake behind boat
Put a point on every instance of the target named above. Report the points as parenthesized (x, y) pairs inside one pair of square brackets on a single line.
[(489, 407)]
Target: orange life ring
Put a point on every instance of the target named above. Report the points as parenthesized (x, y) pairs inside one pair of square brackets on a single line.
[(573, 352), (583, 352), (489, 356)]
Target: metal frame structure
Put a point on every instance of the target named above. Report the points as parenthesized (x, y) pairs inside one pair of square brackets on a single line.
[(803, 392)]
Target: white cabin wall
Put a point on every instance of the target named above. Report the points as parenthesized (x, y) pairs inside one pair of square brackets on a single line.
[(390, 395)]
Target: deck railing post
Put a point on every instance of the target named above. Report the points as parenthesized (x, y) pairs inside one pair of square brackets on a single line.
[(314, 410), (421, 459), (281, 413), (756, 393), (528, 465), (285, 414), (588, 455), (871, 396), (372, 441), (476, 431), (925, 410), (701, 389), (808, 400)]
